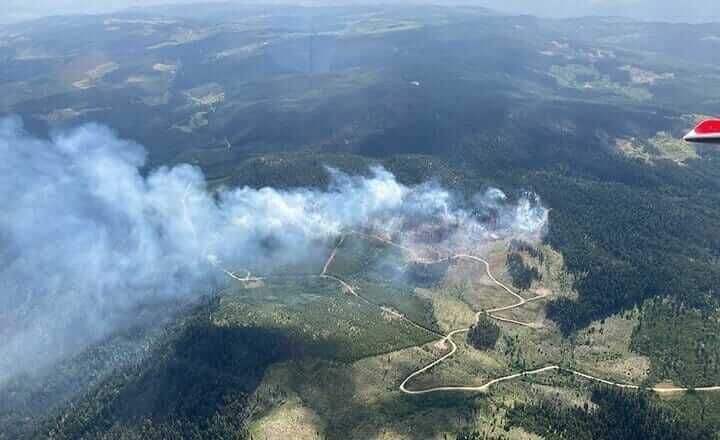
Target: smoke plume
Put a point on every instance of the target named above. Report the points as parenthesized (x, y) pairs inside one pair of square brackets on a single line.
[(86, 238)]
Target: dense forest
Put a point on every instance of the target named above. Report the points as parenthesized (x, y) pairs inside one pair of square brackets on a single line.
[(188, 388), (522, 275), (457, 97), (484, 334), (629, 231), (614, 414), (683, 343), (483, 112)]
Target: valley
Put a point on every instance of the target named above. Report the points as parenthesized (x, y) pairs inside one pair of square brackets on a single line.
[(285, 221)]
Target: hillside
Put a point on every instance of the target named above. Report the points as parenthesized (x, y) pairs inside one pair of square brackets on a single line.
[(619, 284), (697, 11)]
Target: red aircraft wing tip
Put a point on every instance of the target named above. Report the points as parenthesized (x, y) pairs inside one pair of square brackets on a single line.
[(708, 126), (706, 131)]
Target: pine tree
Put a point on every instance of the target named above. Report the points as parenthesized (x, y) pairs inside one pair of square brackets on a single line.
[(484, 334)]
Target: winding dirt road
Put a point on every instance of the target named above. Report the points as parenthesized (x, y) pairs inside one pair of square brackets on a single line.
[(444, 338), (449, 337), (349, 289), (520, 302)]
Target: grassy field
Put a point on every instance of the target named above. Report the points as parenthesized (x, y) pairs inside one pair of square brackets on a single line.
[(331, 323), (662, 146), (314, 398)]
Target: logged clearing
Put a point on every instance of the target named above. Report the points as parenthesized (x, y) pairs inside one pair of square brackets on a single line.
[(358, 397), (329, 398), (93, 76), (662, 146), (288, 420)]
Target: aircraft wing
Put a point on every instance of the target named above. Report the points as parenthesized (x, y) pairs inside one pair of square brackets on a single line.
[(707, 132)]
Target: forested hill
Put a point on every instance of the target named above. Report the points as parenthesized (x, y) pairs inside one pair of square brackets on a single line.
[(586, 113), (616, 415)]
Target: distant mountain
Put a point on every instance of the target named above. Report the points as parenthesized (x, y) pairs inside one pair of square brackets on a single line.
[(691, 11)]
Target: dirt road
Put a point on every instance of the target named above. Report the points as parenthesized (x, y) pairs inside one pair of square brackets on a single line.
[(520, 302)]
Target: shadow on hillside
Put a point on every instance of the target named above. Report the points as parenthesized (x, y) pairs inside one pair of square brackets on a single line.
[(207, 365), (28, 399), (195, 385), (350, 407), (424, 417)]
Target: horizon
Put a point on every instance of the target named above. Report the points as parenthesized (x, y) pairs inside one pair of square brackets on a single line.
[(693, 11)]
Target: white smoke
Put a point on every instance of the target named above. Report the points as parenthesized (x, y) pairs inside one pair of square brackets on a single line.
[(85, 238)]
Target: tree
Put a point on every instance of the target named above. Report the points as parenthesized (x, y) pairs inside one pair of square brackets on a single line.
[(484, 334)]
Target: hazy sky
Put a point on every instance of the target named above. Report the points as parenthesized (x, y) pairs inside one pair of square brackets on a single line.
[(667, 10)]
